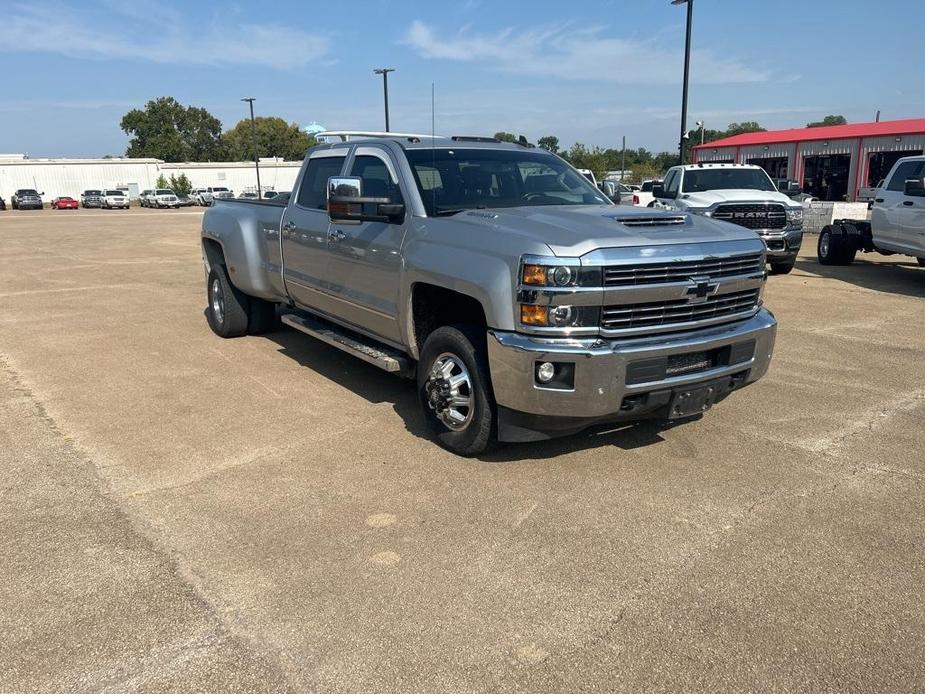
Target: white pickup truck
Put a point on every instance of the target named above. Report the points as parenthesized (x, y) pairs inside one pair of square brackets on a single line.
[(742, 194), (897, 220)]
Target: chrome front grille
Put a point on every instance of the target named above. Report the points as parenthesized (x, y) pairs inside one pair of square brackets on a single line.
[(753, 215), (661, 273), (678, 312)]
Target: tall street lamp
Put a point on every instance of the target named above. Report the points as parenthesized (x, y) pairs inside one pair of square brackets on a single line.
[(250, 101), (687, 69), (384, 71)]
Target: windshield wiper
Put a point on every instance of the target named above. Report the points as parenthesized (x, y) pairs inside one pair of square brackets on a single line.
[(448, 211)]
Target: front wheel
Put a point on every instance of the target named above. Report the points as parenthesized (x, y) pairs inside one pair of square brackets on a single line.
[(455, 390)]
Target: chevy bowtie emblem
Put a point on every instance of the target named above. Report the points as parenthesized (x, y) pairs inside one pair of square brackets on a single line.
[(701, 289)]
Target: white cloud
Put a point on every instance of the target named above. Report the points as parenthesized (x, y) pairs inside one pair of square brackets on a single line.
[(155, 36), (578, 54)]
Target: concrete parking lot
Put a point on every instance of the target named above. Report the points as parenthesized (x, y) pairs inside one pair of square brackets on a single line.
[(181, 512)]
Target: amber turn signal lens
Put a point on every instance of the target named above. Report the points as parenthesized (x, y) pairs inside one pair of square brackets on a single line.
[(534, 274), (533, 315)]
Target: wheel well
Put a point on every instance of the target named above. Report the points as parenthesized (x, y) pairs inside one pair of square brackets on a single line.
[(434, 307), (213, 252)]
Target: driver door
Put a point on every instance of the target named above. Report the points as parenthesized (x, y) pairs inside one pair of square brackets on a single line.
[(364, 259)]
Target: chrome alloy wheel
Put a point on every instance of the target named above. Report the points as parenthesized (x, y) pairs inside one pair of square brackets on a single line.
[(218, 301), (824, 245), (449, 391)]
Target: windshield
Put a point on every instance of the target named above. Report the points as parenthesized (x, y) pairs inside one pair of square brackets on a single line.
[(702, 180), (452, 180), (219, 190), (93, 192), (163, 191), (27, 191), (114, 192)]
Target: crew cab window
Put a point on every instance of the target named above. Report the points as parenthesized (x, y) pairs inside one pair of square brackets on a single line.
[(908, 169), (313, 193), (377, 180)]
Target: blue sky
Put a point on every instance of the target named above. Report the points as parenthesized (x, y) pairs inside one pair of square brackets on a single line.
[(584, 71)]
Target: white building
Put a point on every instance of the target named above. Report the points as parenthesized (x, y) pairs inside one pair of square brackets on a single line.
[(57, 177)]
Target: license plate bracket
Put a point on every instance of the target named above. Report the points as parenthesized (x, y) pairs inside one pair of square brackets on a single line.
[(690, 402)]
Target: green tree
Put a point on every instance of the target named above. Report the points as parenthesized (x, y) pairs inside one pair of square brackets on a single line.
[(162, 182), (275, 138), (166, 129), (180, 184), (748, 126), (549, 143), (828, 120)]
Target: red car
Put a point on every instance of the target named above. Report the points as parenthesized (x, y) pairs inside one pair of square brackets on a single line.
[(64, 203)]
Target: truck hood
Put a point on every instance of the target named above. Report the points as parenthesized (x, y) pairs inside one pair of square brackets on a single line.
[(716, 197), (573, 230)]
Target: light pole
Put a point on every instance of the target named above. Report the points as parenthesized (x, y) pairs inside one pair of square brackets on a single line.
[(687, 70), (250, 101), (699, 124), (384, 71)]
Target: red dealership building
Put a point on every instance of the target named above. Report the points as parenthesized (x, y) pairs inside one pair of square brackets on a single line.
[(832, 162)]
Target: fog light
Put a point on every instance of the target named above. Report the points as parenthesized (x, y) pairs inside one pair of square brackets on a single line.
[(545, 372)]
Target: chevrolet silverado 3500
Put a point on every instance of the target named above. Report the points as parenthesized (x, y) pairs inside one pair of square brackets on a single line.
[(524, 303)]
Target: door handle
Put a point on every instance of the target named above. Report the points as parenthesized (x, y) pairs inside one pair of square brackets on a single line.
[(288, 226), (908, 203), (336, 235), (878, 199)]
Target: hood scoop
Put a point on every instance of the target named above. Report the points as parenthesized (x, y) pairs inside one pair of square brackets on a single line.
[(653, 220)]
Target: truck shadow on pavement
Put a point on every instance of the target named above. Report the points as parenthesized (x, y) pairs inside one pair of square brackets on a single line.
[(377, 386), (894, 276)]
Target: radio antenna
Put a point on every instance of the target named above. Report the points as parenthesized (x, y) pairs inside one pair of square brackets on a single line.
[(433, 151)]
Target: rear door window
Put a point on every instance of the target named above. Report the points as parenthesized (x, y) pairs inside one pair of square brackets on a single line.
[(313, 193)]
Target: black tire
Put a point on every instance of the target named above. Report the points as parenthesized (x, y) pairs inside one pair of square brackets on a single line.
[(227, 307), (783, 267), (835, 247), (262, 316), (466, 345)]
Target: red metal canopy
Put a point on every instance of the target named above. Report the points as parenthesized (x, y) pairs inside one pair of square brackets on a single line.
[(908, 126)]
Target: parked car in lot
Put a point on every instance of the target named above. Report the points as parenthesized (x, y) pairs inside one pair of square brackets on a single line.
[(897, 220), (248, 195), (114, 199), (163, 197), (618, 193), (185, 201), (201, 196), (742, 194), (2, 204), (64, 203), (27, 199), (219, 193), (91, 198), (523, 302), (644, 197)]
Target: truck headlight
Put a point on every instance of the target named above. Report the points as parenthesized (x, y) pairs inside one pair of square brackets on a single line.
[(543, 316), (794, 214), (549, 276)]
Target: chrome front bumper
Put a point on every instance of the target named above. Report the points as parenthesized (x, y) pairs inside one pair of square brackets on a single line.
[(601, 387), (784, 243)]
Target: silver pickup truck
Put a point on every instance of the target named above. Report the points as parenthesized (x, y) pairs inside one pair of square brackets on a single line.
[(524, 303)]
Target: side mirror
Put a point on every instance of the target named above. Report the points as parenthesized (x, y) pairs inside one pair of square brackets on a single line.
[(791, 188), (658, 190), (346, 202), (915, 187)]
